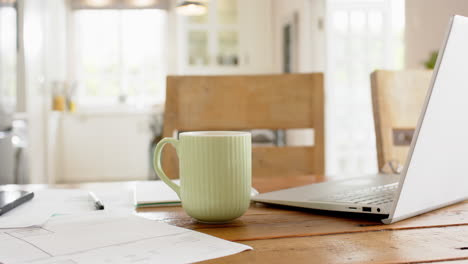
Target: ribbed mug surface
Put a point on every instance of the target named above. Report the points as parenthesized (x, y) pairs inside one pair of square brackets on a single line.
[(215, 174)]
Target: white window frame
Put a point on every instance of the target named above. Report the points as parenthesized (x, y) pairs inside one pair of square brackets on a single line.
[(368, 149), (74, 72)]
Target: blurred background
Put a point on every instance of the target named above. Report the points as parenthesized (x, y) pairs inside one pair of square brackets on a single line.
[(82, 82)]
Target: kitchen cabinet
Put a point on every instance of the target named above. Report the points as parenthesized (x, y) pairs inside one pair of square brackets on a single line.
[(233, 37)]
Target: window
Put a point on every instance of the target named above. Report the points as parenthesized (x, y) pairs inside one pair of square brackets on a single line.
[(120, 56), (362, 36)]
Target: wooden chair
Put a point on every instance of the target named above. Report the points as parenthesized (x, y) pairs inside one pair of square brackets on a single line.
[(197, 103), (397, 98)]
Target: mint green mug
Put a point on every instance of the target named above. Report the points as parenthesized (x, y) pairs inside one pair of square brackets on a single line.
[(215, 169)]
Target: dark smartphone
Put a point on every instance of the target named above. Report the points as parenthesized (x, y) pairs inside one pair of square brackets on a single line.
[(12, 199)]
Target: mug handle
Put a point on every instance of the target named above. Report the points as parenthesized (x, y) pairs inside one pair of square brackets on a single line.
[(157, 162)]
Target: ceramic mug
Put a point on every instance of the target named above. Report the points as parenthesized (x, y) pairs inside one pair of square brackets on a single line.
[(215, 169)]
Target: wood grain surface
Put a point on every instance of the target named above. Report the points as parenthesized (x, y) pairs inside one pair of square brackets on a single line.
[(283, 234), (268, 222), (400, 246), (291, 235)]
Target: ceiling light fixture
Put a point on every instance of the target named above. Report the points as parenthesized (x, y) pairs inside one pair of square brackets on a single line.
[(142, 3), (98, 3), (191, 8), (7, 2)]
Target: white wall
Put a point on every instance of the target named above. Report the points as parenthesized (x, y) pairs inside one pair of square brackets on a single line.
[(173, 40), (56, 39), (426, 23), (310, 35), (56, 51), (32, 84)]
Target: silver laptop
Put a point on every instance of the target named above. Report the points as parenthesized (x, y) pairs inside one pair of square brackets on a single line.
[(436, 171)]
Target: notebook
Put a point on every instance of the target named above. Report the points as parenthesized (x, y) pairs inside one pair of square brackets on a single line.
[(154, 194), (157, 193)]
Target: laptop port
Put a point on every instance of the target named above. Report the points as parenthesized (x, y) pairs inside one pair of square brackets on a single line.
[(366, 209), (352, 208)]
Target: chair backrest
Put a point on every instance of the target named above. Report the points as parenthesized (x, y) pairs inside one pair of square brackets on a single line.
[(397, 98), (197, 103)]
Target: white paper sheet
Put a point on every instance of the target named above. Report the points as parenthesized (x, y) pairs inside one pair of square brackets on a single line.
[(101, 237), (116, 196), (117, 200), (45, 204)]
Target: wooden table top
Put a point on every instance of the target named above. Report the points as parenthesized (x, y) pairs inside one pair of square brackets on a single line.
[(282, 234)]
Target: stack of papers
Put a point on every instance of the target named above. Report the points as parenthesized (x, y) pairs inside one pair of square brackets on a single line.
[(62, 226), (155, 193), (102, 237), (45, 204)]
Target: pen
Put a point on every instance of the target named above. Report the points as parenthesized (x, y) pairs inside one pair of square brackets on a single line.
[(97, 202)]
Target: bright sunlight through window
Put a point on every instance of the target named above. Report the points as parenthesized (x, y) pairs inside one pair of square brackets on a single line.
[(120, 56)]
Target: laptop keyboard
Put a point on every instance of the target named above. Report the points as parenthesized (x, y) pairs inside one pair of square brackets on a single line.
[(375, 195)]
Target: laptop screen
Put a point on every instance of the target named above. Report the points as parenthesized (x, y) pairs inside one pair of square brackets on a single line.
[(436, 170)]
